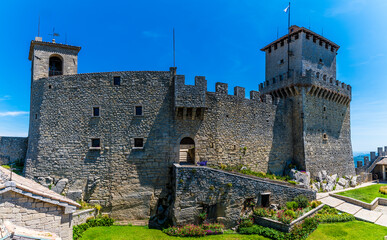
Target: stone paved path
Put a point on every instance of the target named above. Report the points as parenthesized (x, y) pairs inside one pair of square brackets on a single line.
[(377, 216)]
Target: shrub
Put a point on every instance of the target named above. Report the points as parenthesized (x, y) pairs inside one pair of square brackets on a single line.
[(284, 218), (292, 182), (302, 231), (263, 231), (315, 203), (213, 228), (185, 231), (202, 216), (330, 218), (262, 212), (246, 222), (292, 205), (91, 222), (383, 189), (302, 201), (229, 184), (290, 213)]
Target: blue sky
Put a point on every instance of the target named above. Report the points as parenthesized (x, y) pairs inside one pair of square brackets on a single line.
[(217, 39)]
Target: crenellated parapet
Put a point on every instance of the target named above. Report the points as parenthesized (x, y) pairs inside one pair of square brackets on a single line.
[(317, 84), (191, 96)]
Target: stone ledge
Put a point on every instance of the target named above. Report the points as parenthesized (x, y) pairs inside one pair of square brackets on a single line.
[(370, 206)]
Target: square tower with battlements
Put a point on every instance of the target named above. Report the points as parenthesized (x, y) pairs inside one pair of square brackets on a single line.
[(301, 67)]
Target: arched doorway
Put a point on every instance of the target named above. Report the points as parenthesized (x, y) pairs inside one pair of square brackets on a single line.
[(55, 66), (187, 151)]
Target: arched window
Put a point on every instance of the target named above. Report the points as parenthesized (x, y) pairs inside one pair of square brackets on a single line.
[(55, 66), (325, 77), (187, 151), (317, 75)]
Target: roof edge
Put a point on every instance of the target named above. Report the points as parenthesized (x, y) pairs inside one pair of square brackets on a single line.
[(60, 45)]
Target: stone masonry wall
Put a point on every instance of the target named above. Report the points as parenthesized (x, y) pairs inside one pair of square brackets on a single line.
[(200, 189), (12, 149), (34, 214), (126, 181)]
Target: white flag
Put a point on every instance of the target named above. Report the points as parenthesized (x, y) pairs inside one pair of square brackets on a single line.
[(287, 9)]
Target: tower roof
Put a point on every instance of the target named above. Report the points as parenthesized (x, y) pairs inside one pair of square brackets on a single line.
[(296, 29), (50, 44)]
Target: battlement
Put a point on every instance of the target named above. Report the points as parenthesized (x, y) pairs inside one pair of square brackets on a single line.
[(320, 85)]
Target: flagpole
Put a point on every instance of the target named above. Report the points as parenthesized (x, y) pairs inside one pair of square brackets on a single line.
[(289, 42)]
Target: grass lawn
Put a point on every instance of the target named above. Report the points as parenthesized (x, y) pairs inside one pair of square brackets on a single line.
[(365, 194), (328, 231), (143, 233), (348, 231)]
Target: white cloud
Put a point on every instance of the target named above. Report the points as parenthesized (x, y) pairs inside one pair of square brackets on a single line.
[(13, 114), (4, 98)]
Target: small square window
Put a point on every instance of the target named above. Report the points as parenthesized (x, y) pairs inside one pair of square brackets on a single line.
[(95, 111), (138, 111), (95, 143), (117, 81), (138, 142)]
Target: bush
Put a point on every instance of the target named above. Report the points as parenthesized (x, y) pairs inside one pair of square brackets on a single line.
[(330, 218), (302, 201), (383, 189), (315, 203), (213, 228), (292, 205), (302, 231), (185, 231), (91, 222), (290, 213), (263, 231), (246, 222), (284, 218), (262, 212)]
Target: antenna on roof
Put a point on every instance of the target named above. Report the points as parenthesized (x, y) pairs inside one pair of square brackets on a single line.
[(174, 49), (54, 34)]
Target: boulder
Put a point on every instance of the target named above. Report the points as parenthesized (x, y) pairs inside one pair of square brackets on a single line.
[(334, 176), (353, 182), (342, 182), (75, 195), (330, 187), (331, 180), (60, 185), (46, 181), (324, 174), (339, 187), (319, 177)]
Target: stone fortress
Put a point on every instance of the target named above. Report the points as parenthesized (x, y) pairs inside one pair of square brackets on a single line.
[(112, 138)]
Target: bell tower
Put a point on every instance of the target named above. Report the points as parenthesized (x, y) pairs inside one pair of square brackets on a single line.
[(52, 59)]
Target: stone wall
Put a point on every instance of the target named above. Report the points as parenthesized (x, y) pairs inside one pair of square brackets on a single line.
[(12, 149), (81, 216), (35, 214), (129, 181), (201, 189)]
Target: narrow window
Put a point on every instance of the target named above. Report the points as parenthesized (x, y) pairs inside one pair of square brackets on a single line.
[(282, 61), (325, 108), (314, 39), (326, 45), (138, 110), (307, 36), (317, 75), (332, 49), (325, 77), (296, 36), (275, 46), (320, 43), (49, 86), (325, 137), (138, 142), (117, 81), (95, 111), (281, 77), (282, 43), (320, 61), (36, 116), (199, 113), (189, 112), (331, 80), (95, 143), (273, 80), (270, 49)]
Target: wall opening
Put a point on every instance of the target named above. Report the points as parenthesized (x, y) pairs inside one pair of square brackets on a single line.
[(55, 66), (187, 151), (265, 199)]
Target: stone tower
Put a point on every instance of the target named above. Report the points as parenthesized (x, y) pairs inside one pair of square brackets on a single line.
[(50, 59), (320, 103)]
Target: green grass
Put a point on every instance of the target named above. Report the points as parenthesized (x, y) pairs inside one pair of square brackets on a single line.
[(365, 194), (143, 233), (348, 231), (328, 231)]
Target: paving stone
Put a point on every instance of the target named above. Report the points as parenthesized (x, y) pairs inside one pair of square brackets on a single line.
[(331, 201), (382, 220), (367, 215), (349, 208)]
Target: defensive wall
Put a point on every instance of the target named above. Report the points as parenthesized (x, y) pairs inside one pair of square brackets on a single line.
[(12, 149), (223, 195), (230, 129)]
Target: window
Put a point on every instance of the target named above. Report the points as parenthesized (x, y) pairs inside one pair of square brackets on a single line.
[(326, 45), (317, 75), (273, 80), (314, 39), (282, 61), (117, 81), (296, 36), (281, 77), (96, 143), (325, 77), (307, 36), (138, 111), (138, 143), (55, 66), (270, 49), (332, 49), (282, 43), (325, 137), (95, 111), (331, 80), (321, 43), (36, 116), (320, 61), (275, 46), (325, 108)]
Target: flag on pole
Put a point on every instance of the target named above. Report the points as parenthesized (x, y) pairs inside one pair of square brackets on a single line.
[(287, 9)]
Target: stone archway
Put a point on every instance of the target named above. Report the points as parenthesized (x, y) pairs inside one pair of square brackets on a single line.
[(187, 151)]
